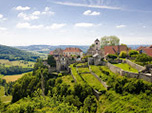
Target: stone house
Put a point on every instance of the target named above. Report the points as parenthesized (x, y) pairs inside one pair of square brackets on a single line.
[(72, 51)]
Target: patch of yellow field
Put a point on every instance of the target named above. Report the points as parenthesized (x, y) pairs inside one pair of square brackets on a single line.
[(12, 78)]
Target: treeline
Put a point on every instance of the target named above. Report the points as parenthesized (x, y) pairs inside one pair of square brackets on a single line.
[(12, 54), (13, 70), (59, 96)]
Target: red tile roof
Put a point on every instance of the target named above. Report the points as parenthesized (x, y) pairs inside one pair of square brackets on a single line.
[(112, 49), (72, 50), (148, 51), (51, 52), (140, 48)]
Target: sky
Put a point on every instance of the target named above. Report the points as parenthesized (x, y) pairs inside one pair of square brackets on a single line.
[(74, 22)]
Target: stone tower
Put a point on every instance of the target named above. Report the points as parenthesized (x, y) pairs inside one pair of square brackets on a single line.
[(97, 45)]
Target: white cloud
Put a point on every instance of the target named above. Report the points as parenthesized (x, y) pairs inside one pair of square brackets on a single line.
[(2, 18), (87, 5), (84, 24), (55, 26), (27, 17), (47, 11), (93, 13), (3, 29), (22, 8), (28, 26), (36, 13), (121, 26)]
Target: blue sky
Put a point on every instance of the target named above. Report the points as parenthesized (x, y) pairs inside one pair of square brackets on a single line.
[(74, 22)]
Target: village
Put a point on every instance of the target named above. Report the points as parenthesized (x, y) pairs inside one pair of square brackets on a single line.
[(118, 58)]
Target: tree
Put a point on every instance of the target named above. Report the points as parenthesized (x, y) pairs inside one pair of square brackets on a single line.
[(51, 61), (109, 40)]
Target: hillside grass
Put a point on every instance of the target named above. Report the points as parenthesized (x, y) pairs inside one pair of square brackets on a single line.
[(12, 78), (22, 63), (3, 97), (76, 75), (93, 82), (67, 79), (126, 67), (83, 70), (102, 72)]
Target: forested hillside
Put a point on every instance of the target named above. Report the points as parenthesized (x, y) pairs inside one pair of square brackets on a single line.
[(12, 54), (41, 91)]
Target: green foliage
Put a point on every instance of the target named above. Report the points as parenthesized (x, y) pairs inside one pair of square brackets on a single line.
[(51, 61), (109, 41), (143, 58), (12, 54), (13, 70), (123, 54), (90, 104), (112, 56), (133, 52)]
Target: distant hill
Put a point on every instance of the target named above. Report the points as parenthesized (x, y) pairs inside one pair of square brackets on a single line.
[(47, 48), (12, 53)]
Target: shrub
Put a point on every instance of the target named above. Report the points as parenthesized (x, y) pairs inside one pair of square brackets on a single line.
[(143, 58), (112, 56), (133, 52), (123, 54)]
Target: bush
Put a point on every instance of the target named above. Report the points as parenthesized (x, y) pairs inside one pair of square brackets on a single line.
[(123, 54), (133, 52), (143, 58), (112, 56)]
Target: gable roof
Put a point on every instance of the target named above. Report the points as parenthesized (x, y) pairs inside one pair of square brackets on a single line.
[(114, 49), (72, 50), (148, 51)]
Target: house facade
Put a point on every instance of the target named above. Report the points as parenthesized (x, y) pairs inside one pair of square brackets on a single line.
[(72, 51)]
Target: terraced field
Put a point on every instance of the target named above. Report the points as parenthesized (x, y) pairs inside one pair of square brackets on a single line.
[(88, 78), (126, 67)]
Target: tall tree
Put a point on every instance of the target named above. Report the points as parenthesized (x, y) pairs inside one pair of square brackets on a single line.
[(109, 40)]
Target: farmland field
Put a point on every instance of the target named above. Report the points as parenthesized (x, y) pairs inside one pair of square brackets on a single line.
[(24, 64), (12, 78)]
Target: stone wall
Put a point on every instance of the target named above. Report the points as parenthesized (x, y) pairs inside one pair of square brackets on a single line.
[(134, 65), (146, 76), (117, 70), (113, 68)]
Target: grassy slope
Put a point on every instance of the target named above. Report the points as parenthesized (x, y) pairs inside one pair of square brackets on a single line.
[(75, 74), (68, 80), (126, 67), (4, 98), (93, 82), (24, 64)]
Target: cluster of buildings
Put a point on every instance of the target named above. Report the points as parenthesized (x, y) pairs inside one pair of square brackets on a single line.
[(65, 57), (70, 55)]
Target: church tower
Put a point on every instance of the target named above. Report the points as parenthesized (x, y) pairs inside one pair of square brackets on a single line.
[(97, 45)]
